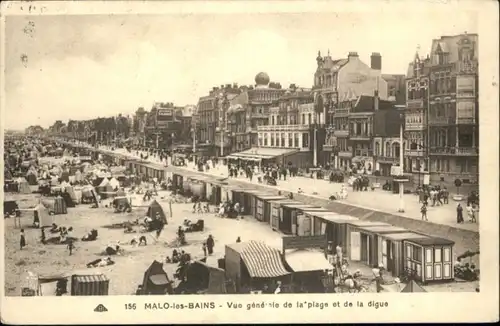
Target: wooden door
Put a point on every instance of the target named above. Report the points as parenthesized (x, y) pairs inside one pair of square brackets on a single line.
[(429, 264), (385, 254), (364, 248), (447, 264), (438, 263), (355, 246)]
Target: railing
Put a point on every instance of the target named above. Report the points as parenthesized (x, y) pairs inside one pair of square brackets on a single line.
[(414, 126), (460, 151), (415, 104), (439, 121), (465, 121), (341, 133), (341, 111), (283, 128), (388, 159), (468, 68), (414, 152), (360, 137), (259, 115), (345, 154)]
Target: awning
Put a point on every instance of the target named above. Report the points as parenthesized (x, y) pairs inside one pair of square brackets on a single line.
[(262, 153), (307, 261), (262, 261)]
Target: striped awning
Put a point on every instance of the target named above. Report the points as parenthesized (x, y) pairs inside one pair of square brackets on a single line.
[(262, 261)]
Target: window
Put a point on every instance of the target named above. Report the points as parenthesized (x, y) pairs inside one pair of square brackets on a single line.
[(438, 255), (296, 141), (305, 140), (417, 254), (272, 139), (282, 140), (290, 140), (377, 149), (265, 139), (272, 120), (428, 256), (446, 255)]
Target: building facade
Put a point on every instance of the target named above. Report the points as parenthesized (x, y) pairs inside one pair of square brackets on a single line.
[(337, 83), (250, 109), (453, 117)]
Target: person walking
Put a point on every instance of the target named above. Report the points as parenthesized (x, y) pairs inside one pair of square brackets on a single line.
[(210, 244), (423, 211), (22, 240), (460, 214), (70, 246)]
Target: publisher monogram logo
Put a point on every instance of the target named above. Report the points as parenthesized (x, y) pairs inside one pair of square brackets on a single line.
[(100, 308)]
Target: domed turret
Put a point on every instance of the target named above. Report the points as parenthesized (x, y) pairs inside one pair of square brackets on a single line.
[(262, 79)]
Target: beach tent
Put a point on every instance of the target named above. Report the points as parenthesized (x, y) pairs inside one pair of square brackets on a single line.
[(56, 205), (65, 176), (114, 183), (23, 186), (67, 199), (120, 193), (155, 280), (155, 212), (78, 176), (104, 188), (412, 287), (43, 215), (89, 193)]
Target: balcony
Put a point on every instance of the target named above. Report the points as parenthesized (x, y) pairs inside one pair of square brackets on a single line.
[(283, 128), (259, 115), (341, 112), (454, 151), (415, 104), (415, 152), (360, 137), (341, 133), (414, 126), (466, 121), (441, 121), (388, 159), (345, 154)]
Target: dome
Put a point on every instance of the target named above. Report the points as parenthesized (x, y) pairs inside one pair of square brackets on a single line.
[(262, 79)]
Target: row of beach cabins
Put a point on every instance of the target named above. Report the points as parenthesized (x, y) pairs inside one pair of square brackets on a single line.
[(398, 250)]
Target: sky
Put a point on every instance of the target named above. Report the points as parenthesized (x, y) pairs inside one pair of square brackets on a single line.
[(88, 66)]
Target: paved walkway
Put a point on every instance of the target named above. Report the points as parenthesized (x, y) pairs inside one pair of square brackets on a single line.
[(378, 199)]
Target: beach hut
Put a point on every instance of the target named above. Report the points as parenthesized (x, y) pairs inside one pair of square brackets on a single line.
[(262, 208), (361, 245), (22, 186), (32, 177), (155, 212), (42, 216), (198, 188), (104, 189), (307, 262), (293, 215), (56, 205), (155, 280), (392, 253), (276, 220), (433, 255), (85, 285), (239, 196), (249, 201), (372, 232), (207, 276), (336, 225), (252, 264)]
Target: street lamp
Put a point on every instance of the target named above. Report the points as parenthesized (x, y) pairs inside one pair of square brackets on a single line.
[(401, 185), (222, 119)]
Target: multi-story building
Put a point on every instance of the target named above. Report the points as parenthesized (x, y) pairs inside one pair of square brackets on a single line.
[(165, 125), (396, 88), (416, 114), (336, 81), (367, 117), (290, 126), (453, 133), (249, 110), (212, 112), (139, 125)]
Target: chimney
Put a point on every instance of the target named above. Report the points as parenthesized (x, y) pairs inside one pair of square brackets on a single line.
[(352, 55), (376, 61), (375, 100)]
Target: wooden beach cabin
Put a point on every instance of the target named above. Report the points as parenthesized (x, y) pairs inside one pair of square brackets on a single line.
[(392, 254), (249, 201), (294, 218), (276, 221), (361, 244), (336, 226), (263, 206), (433, 255)]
